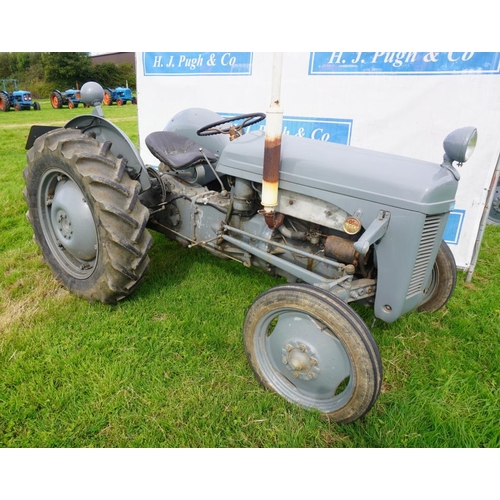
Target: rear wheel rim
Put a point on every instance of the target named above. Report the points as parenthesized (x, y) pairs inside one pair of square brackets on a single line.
[(67, 224)]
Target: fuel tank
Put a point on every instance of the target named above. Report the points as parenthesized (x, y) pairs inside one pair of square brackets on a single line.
[(188, 121), (310, 167)]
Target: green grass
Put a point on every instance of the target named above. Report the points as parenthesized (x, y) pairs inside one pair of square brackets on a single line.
[(166, 367)]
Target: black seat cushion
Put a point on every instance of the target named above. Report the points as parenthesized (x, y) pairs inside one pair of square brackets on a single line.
[(175, 150)]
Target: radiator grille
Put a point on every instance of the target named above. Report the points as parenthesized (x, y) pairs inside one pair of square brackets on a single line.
[(427, 243)]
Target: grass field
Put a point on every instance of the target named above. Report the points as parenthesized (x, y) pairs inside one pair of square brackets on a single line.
[(166, 367)]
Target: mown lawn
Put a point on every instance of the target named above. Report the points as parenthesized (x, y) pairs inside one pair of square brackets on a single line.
[(166, 367)]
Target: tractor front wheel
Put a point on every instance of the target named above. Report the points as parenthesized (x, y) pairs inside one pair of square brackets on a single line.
[(86, 215), (443, 281), (314, 350), (494, 214)]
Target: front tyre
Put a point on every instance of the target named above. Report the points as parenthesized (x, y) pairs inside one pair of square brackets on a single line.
[(443, 281), (86, 215), (314, 350)]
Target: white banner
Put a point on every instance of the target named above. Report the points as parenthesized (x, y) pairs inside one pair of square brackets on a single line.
[(403, 103)]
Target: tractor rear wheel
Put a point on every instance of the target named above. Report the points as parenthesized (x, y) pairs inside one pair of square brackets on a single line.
[(86, 215), (4, 102), (314, 350), (56, 100), (108, 98)]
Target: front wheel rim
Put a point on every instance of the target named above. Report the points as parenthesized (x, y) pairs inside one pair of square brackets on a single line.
[(67, 224), (303, 360)]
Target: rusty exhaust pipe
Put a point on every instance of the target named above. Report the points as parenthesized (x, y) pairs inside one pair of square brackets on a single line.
[(272, 149)]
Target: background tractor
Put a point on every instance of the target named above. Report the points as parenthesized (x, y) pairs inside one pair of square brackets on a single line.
[(17, 99), (70, 98), (120, 95)]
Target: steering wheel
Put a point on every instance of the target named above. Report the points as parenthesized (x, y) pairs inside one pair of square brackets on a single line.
[(232, 130)]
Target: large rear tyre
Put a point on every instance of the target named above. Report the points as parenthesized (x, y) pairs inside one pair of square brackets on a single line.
[(314, 350), (443, 281), (56, 100), (4, 102), (86, 215), (108, 98)]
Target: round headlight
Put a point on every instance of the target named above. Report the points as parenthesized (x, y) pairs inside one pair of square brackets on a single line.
[(460, 144), (92, 93)]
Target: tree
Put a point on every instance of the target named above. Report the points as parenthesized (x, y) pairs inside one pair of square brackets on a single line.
[(66, 69), (5, 65), (109, 74)]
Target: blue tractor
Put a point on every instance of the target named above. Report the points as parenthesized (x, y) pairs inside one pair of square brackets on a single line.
[(17, 99), (71, 98), (120, 95)]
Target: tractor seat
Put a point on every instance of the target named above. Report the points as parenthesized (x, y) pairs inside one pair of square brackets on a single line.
[(176, 150)]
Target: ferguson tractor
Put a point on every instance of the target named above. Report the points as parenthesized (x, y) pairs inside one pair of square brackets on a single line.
[(343, 225)]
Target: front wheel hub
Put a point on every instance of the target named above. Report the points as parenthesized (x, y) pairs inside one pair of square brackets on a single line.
[(301, 360)]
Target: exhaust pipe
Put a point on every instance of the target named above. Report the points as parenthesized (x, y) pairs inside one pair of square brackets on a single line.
[(272, 149)]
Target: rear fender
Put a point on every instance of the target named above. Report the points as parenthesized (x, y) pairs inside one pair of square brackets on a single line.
[(104, 131), (122, 146)]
